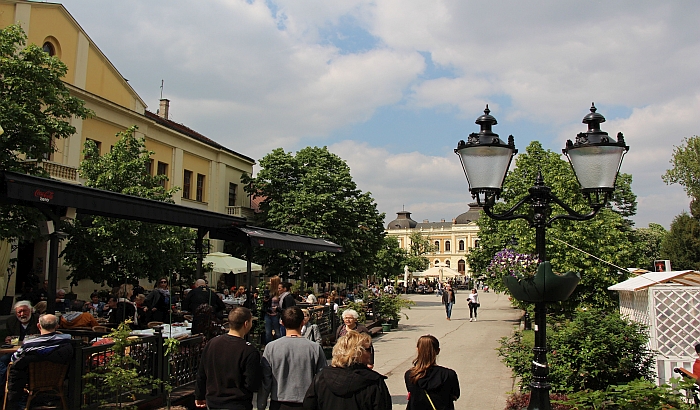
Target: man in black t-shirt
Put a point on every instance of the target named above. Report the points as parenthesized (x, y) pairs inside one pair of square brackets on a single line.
[(229, 386)]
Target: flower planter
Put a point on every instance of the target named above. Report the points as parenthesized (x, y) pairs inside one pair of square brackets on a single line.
[(546, 286), (394, 323), (386, 327)]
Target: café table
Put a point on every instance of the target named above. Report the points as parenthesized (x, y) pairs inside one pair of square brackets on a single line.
[(168, 331)]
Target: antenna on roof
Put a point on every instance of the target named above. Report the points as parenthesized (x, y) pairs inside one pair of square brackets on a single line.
[(403, 207), (161, 89)]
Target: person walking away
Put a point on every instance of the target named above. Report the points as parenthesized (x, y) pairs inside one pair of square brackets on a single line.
[(312, 331), (203, 294), (348, 384), (289, 365), (473, 300), (286, 300), (448, 299), (230, 386), (350, 317), (430, 386), (157, 305)]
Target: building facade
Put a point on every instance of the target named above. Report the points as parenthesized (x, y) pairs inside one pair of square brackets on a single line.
[(452, 240), (208, 173)]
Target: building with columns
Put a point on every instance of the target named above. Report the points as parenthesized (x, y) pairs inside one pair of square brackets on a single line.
[(452, 240), (208, 173)]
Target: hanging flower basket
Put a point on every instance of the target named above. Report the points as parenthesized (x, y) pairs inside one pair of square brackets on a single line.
[(545, 286)]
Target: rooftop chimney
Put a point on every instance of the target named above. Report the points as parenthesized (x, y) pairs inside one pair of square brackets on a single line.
[(164, 108)]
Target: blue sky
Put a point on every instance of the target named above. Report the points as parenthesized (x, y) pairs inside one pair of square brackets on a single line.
[(392, 86)]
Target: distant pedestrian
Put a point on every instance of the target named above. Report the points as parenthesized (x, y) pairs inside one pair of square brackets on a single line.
[(348, 384), (289, 365), (230, 386), (448, 299), (286, 300), (474, 304), (430, 386)]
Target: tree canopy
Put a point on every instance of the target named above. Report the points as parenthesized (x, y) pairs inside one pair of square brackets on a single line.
[(607, 236), (420, 246), (682, 243), (35, 112), (312, 193), (114, 251), (686, 167)]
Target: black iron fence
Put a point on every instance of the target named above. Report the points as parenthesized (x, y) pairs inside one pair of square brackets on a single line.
[(177, 369)]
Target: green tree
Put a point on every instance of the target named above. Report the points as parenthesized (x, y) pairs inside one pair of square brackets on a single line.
[(648, 241), (607, 236), (686, 167), (420, 246), (312, 193), (113, 251), (682, 243), (391, 258), (35, 111)]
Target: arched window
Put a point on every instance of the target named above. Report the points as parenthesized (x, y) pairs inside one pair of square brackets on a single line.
[(437, 246), (461, 245), (447, 262), (437, 262), (447, 246), (49, 49), (461, 266)]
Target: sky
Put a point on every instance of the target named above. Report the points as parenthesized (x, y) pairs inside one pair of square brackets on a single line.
[(392, 86)]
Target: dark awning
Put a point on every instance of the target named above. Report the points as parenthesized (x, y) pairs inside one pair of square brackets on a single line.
[(268, 238), (29, 190)]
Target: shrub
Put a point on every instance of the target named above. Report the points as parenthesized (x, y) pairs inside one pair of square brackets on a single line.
[(636, 395), (591, 352)]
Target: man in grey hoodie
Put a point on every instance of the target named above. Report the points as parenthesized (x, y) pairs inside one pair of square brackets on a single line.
[(289, 365)]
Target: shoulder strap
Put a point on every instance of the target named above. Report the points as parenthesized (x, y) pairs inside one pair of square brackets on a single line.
[(429, 399)]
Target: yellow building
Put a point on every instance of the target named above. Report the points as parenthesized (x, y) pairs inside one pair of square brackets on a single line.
[(208, 173), (452, 240)]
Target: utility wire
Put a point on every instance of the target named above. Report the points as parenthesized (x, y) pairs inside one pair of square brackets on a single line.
[(592, 256)]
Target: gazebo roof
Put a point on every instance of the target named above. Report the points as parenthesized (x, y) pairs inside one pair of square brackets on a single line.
[(682, 277)]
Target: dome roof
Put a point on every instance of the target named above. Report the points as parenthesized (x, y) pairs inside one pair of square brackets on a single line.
[(403, 221), (470, 216)]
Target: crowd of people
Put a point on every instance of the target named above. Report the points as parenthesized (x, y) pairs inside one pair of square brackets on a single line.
[(293, 373)]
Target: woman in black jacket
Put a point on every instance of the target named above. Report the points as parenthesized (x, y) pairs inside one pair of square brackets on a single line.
[(348, 383), (430, 386)]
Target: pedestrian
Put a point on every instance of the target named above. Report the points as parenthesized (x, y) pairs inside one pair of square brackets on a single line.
[(473, 300), (430, 386), (349, 384), (289, 365), (286, 299), (448, 299), (202, 294), (310, 331), (350, 317), (230, 386), (157, 305), (271, 308)]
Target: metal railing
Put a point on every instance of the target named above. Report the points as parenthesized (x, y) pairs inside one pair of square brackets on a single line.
[(178, 369), (241, 211)]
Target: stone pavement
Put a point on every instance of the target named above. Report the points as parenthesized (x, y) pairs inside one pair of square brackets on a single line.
[(466, 347)]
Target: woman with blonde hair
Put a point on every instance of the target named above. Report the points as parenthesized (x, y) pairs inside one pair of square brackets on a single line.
[(430, 386), (348, 383)]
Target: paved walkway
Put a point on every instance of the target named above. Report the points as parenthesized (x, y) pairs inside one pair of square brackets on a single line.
[(467, 347)]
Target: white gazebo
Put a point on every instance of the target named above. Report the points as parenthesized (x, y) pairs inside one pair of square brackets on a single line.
[(669, 304), (440, 271)]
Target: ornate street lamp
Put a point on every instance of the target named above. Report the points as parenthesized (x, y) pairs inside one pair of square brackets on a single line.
[(596, 160)]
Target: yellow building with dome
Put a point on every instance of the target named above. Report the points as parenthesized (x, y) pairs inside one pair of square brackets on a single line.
[(452, 240)]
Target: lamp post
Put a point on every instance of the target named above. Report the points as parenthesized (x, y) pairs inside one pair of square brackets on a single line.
[(595, 159)]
